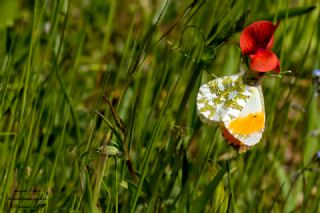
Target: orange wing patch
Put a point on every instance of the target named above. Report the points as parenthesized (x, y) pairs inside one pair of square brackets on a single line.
[(253, 122), (238, 145)]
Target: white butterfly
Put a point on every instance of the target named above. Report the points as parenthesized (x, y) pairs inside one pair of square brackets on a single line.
[(237, 104)]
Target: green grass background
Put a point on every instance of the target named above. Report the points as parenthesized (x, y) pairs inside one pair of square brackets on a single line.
[(98, 106)]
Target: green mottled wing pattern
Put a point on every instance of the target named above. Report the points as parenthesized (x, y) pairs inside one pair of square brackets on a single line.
[(222, 99)]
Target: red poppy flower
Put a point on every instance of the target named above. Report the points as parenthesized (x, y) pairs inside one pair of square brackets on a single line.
[(256, 41)]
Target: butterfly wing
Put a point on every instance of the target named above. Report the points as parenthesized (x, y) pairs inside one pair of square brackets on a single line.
[(222, 99), (246, 129)]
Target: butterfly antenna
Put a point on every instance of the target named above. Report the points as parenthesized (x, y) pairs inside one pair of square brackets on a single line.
[(280, 75), (211, 74)]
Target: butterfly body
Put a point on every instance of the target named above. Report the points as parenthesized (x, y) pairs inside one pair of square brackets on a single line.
[(237, 105)]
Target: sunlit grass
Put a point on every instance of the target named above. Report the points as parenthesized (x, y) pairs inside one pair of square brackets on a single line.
[(98, 107)]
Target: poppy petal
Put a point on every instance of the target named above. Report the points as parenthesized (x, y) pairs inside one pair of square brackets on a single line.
[(270, 44), (264, 61), (257, 35), (247, 42)]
